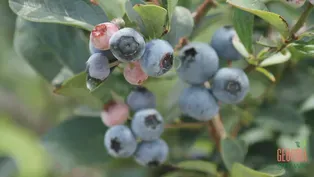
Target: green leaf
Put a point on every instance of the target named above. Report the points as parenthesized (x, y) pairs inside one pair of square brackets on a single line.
[(181, 26), (80, 13), (259, 9), (77, 141), (49, 47), (239, 170), (277, 58), (75, 87), (307, 50), (116, 84), (243, 23), (232, 151), (66, 44), (134, 17), (266, 42), (238, 45), (171, 6), (113, 8), (306, 38), (267, 73), (273, 170), (21, 145), (200, 166), (154, 18), (308, 104)]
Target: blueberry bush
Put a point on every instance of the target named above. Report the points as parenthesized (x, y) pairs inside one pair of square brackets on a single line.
[(167, 88)]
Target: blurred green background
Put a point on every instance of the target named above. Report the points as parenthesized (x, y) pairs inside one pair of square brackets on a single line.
[(271, 117)]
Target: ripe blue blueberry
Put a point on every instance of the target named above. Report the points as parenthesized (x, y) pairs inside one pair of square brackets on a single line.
[(222, 43), (152, 153), (141, 98), (120, 142), (97, 66), (199, 62), (147, 124), (198, 103), (158, 58), (127, 45), (230, 85)]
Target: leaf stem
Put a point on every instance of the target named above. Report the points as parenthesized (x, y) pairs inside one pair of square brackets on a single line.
[(203, 9)]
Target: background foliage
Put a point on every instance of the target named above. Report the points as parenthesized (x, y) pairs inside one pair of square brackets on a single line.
[(46, 134)]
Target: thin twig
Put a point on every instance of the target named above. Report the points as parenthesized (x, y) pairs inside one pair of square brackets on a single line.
[(301, 20), (203, 9), (113, 64), (182, 42)]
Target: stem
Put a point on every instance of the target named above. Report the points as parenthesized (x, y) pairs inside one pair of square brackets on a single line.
[(216, 130), (301, 20), (182, 42), (197, 125), (297, 26), (291, 36), (115, 63), (249, 68), (203, 9)]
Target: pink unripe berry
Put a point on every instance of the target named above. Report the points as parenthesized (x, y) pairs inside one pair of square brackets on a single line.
[(101, 35), (134, 74), (114, 113)]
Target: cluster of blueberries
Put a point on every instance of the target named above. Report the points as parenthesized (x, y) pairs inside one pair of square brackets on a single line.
[(200, 64), (111, 43), (142, 139)]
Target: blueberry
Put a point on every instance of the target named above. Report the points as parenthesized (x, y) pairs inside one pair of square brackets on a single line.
[(120, 142), (127, 45), (222, 43), (147, 124), (199, 62), (107, 53), (198, 103), (152, 153), (230, 85), (158, 58), (97, 66), (141, 98)]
